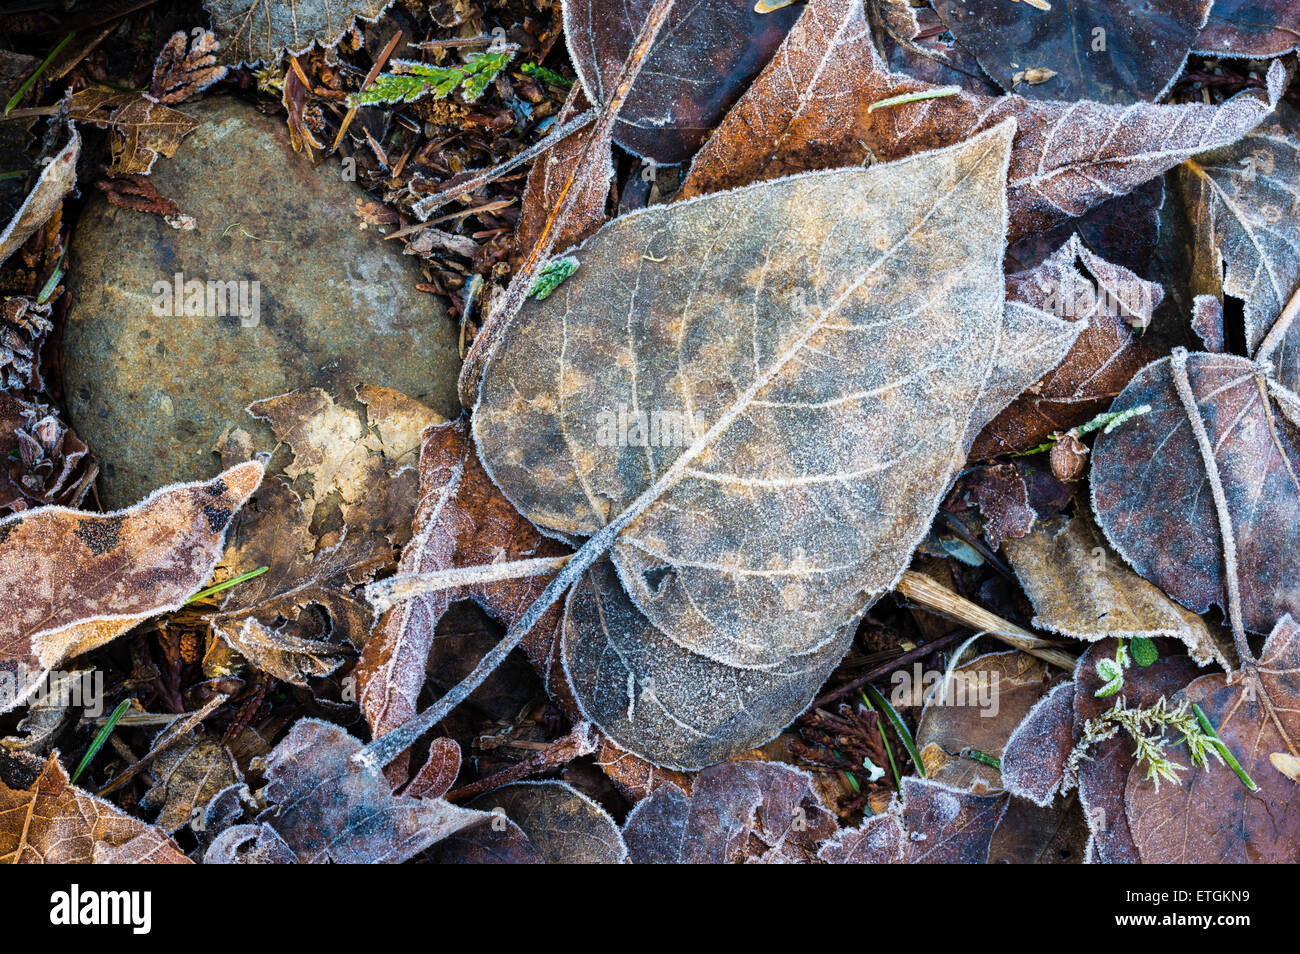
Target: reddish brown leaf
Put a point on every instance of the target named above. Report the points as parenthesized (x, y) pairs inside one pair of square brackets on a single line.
[(51, 821), (810, 109), (77, 580), (1256, 28)]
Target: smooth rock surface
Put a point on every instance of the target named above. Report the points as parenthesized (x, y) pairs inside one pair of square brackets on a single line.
[(338, 306)]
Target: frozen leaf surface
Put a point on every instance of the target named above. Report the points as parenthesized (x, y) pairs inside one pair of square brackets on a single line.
[(77, 580), (562, 824), (810, 109), (55, 181), (1212, 817), (1152, 497), (737, 812), (706, 55), (141, 128), (252, 31), (1251, 28)]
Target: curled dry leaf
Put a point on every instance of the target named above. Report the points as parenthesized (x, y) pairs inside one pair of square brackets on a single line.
[(972, 711), (810, 109), (707, 54), (45, 819), (1038, 763), (186, 777), (142, 129), (563, 825), (1109, 300), (325, 807), (357, 478), (1110, 51), (78, 580), (1212, 817), (253, 31), (1151, 499), (1080, 588), (737, 812), (56, 180), (930, 824), (1242, 201), (44, 462), (1256, 28)]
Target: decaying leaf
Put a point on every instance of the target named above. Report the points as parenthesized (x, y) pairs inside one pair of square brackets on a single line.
[(706, 55), (1212, 817), (180, 73), (77, 580), (329, 524), (1251, 28), (48, 820), (971, 712), (1151, 495), (563, 825), (1111, 300), (1242, 201), (1080, 588), (930, 824), (1040, 760), (809, 109), (186, 776), (736, 812), (56, 180), (253, 31), (325, 807), (142, 128), (1110, 51)]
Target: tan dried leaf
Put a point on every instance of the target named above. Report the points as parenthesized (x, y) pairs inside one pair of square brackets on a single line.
[(55, 181), (142, 128), (563, 825), (51, 821), (186, 776), (77, 580), (1082, 589)]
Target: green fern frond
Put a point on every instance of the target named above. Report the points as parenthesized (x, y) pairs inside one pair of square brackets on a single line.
[(411, 80)]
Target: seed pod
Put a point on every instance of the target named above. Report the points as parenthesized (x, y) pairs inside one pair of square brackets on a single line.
[(1069, 457)]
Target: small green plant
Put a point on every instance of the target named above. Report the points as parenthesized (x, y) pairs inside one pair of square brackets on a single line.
[(551, 276), (411, 80), (1147, 728), (1111, 671), (100, 738), (1107, 421), (537, 71)]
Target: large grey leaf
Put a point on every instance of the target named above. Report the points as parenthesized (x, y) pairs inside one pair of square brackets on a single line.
[(823, 371)]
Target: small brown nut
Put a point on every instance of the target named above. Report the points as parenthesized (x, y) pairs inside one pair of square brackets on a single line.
[(1069, 458)]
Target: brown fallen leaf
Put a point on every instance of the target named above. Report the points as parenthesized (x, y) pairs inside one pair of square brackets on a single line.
[(1041, 758), (675, 103), (1150, 493), (325, 808), (1241, 201), (357, 479), (1256, 28), (56, 180), (78, 580), (971, 712), (737, 812), (562, 825), (1081, 588), (809, 109), (255, 31), (1213, 817), (44, 819), (930, 824), (186, 776), (142, 128), (1105, 356)]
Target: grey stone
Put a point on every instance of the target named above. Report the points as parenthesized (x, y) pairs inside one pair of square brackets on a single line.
[(338, 307)]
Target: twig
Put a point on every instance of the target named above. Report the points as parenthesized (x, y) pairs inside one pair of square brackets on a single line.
[(424, 208), (884, 669), (405, 586), (579, 742), (1278, 332), (170, 736), (924, 590)]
